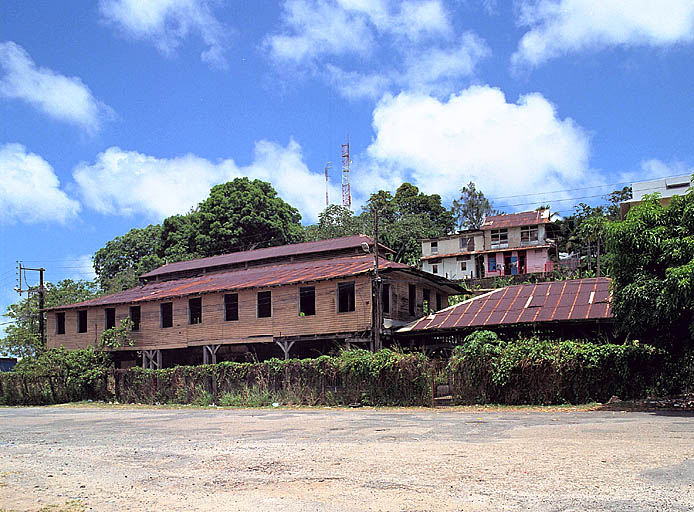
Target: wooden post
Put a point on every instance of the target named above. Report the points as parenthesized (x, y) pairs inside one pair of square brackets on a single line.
[(151, 359), (285, 346), (209, 354)]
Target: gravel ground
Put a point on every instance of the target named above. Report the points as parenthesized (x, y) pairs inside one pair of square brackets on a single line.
[(103, 458)]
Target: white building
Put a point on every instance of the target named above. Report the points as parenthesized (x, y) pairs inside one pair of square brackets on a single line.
[(666, 187)]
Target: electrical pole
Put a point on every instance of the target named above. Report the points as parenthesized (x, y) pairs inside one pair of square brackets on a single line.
[(42, 293), (378, 316)]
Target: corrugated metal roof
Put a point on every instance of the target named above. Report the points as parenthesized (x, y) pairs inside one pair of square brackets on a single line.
[(517, 219), (334, 244), (254, 277), (573, 300)]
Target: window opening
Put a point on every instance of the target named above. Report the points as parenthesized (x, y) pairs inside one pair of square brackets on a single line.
[(195, 310), (307, 301), (345, 297), (412, 298), (60, 323), (499, 238), (110, 314), (264, 304), (81, 321), (385, 297), (135, 317), (426, 301), (434, 247), (166, 310), (231, 307)]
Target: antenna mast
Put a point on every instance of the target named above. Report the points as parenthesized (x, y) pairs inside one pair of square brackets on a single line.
[(327, 168), (346, 193)]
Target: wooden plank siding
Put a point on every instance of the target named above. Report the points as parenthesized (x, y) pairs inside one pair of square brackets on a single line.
[(285, 319), (400, 299)]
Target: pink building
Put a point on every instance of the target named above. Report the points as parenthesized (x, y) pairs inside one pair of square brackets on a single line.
[(517, 244)]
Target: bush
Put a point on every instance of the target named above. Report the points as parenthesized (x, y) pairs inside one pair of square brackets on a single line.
[(486, 369)]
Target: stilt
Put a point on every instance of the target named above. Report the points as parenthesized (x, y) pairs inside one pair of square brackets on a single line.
[(151, 359), (209, 354), (286, 347)]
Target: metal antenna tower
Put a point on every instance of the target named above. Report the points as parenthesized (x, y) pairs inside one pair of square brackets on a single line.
[(346, 193), (327, 168)]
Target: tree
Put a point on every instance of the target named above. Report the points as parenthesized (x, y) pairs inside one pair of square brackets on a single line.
[(243, 214), (22, 337), (471, 209), (653, 271), (594, 229), (333, 222), (123, 259)]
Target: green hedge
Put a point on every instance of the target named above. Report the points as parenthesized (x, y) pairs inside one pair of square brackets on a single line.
[(487, 369), (484, 369)]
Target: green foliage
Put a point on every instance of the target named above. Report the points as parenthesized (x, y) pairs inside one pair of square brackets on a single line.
[(244, 214), (55, 376), (653, 271), (470, 210), (22, 337), (334, 222), (487, 369), (118, 336)]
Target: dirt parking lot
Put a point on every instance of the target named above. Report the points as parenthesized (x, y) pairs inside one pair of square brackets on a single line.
[(98, 458)]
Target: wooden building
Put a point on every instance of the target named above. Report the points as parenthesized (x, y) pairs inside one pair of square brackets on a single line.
[(300, 299)]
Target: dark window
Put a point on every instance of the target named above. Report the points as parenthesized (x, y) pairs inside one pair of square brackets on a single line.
[(110, 314), (499, 238), (60, 323), (492, 262), (166, 310), (426, 301), (345, 297), (195, 310), (81, 321), (307, 301), (385, 297), (438, 302), (434, 269), (135, 317), (434, 247), (264, 304), (412, 298), (231, 307)]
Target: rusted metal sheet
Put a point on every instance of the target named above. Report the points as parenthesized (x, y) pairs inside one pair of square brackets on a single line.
[(516, 219), (574, 300), (335, 244), (254, 277)]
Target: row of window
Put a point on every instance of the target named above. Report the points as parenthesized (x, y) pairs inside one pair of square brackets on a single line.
[(307, 307), (466, 243)]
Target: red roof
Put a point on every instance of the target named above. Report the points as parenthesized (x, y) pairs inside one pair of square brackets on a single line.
[(517, 219), (578, 299), (334, 244), (254, 277)]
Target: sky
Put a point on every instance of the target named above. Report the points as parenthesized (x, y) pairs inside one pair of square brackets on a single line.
[(117, 113)]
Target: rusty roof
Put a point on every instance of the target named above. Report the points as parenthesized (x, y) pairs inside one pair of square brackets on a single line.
[(555, 301), (255, 277), (333, 244), (517, 219)]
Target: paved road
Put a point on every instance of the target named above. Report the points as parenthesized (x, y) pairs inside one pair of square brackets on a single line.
[(335, 460)]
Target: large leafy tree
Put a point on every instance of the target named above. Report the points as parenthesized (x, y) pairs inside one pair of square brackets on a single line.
[(653, 271), (471, 208), (22, 337), (244, 214), (333, 222)]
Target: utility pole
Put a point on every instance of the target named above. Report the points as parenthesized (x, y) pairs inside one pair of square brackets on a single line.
[(42, 293), (378, 314)]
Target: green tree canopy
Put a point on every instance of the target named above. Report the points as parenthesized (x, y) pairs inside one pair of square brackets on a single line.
[(22, 337), (653, 271), (470, 210), (333, 222)]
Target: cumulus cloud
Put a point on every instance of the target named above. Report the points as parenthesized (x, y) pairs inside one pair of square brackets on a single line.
[(61, 97), (429, 70), (563, 26), (29, 189), (128, 182), (167, 23), (314, 28), (477, 135)]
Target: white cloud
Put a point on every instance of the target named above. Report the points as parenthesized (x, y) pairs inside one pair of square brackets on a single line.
[(166, 23), (427, 70), (315, 28), (477, 135), (29, 189), (61, 97), (127, 182), (563, 26), (80, 267)]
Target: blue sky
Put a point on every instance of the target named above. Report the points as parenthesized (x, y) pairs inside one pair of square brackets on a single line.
[(117, 113)]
